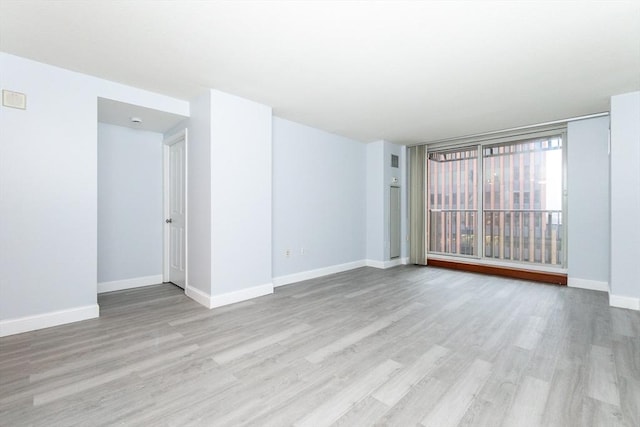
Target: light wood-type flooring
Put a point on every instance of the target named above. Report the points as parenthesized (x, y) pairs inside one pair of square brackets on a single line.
[(399, 347)]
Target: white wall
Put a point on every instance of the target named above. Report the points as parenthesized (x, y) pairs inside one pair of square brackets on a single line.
[(229, 199), (240, 194), (319, 199), (375, 201), (389, 173), (130, 216), (379, 181), (625, 200), (48, 189), (588, 203), (199, 194), (48, 192)]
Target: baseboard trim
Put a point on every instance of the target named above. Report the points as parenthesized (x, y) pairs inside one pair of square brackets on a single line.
[(135, 282), (212, 301), (198, 296), (594, 285), (48, 320), (318, 272), (386, 264), (620, 301), (241, 295)]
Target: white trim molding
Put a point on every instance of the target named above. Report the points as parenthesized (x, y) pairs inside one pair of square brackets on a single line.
[(47, 320), (594, 285), (318, 272), (241, 295), (212, 301), (619, 301), (338, 268), (198, 296), (135, 282), (386, 264)]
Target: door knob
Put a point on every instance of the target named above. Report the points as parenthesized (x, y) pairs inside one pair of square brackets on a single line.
[(168, 221)]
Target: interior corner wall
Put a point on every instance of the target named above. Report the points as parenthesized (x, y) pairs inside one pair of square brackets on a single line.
[(199, 194), (588, 202), (48, 188), (318, 199), (400, 174), (379, 181), (130, 213), (625, 196), (241, 146), (375, 201)]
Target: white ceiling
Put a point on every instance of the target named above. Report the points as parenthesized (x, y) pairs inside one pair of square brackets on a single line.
[(403, 71)]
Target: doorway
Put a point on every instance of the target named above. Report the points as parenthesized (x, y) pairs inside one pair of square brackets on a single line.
[(175, 209)]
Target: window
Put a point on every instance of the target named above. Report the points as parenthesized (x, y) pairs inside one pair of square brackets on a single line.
[(515, 214), (452, 179)]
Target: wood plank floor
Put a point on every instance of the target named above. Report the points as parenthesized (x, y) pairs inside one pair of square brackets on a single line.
[(399, 347)]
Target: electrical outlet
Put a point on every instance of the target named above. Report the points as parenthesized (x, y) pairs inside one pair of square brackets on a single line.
[(287, 253), (14, 99)]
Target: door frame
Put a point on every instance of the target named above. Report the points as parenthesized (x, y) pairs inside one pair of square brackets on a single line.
[(166, 143)]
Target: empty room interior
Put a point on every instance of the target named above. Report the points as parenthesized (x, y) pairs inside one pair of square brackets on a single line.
[(411, 213)]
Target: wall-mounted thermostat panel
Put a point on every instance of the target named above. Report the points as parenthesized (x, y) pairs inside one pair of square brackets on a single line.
[(14, 99)]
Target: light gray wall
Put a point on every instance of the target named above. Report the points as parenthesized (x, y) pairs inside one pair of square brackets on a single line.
[(48, 186), (240, 193), (375, 200), (199, 194), (389, 173), (319, 198), (48, 214), (625, 194), (130, 216), (588, 199), (379, 181)]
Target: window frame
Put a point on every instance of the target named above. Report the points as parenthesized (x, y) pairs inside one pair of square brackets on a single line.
[(479, 143)]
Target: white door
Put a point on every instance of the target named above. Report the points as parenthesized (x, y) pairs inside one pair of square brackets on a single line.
[(175, 212)]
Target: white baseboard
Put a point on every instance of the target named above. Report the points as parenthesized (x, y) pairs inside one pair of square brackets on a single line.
[(318, 272), (47, 320), (212, 301), (136, 282), (386, 264), (620, 301), (241, 295), (198, 296), (594, 285)]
